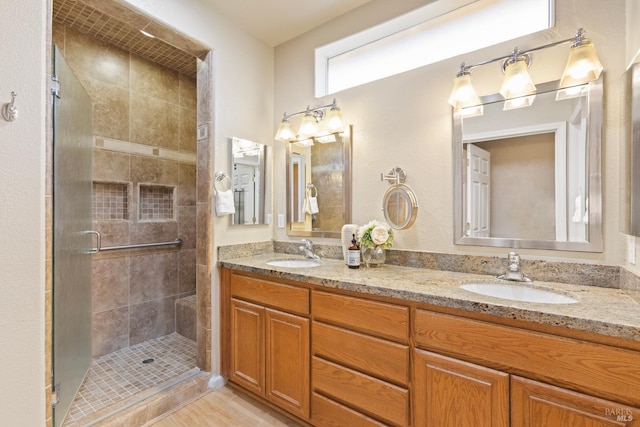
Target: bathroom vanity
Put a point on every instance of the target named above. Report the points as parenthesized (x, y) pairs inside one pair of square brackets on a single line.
[(407, 346)]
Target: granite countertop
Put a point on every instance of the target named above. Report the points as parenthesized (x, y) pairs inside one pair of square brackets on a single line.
[(606, 311)]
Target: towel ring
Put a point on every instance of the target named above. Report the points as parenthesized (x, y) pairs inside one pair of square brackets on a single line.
[(312, 190), (220, 176)]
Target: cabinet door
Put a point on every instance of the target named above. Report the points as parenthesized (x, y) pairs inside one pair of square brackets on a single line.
[(247, 345), (535, 404), (287, 362), (453, 393)]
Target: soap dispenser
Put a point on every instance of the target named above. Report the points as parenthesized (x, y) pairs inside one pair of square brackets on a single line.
[(353, 258)]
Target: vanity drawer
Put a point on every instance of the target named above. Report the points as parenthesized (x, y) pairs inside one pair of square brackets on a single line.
[(374, 397), (370, 317), (374, 356), (601, 370), (327, 413), (272, 294)]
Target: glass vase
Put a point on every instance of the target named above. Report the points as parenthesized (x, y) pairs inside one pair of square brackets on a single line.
[(374, 257)]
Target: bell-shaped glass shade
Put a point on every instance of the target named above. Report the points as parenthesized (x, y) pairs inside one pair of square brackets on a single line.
[(582, 66), (284, 133), (463, 94), (333, 120), (308, 127), (517, 81)]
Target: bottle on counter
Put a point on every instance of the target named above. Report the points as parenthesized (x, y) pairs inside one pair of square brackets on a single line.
[(353, 257)]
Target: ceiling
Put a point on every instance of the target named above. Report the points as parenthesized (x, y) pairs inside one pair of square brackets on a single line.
[(276, 21)]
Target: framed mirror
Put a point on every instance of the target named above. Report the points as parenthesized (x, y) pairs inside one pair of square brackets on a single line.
[(531, 177), (400, 206), (248, 179), (634, 199), (319, 185)]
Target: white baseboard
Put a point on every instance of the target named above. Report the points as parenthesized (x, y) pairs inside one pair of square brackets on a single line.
[(216, 382)]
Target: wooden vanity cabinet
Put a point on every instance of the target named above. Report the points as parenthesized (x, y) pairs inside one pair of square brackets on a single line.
[(360, 361), (535, 404), (484, 373), (269, 341), (450, 392), (333, 359)]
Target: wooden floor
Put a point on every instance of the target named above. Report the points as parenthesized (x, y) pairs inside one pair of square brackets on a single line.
[(225, 407)]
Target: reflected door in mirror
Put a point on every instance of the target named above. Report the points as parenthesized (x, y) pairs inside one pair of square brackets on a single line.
[(248, 178)]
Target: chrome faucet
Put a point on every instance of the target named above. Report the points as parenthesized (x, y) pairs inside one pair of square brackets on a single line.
[(307, 249), (513, 269)]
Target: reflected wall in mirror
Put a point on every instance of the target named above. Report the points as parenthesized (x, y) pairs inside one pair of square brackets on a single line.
[(248, 178), (319, 185), (531, 177)]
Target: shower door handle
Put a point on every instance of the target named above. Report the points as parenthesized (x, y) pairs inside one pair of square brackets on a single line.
[(98, 242)]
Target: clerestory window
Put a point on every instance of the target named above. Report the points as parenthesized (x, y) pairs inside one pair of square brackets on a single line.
[(440, 30)]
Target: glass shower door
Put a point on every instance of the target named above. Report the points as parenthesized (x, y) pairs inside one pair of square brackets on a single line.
[(72, 240)]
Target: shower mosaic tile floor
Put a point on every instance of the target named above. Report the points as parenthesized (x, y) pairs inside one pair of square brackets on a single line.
[(117, 376)]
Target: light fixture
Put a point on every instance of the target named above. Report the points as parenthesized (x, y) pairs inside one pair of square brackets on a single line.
[(583, 63), (309, 125), (285, 133), (463, 94), (517, 81), (316, 124), (517, 87), (146, 33), (334, 119)]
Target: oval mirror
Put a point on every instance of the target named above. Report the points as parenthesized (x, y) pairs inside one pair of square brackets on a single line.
[(400, 206)]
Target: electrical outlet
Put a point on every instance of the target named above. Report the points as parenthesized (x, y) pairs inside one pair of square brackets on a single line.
[(631, 249), (280, 220), (202, 132), (268, 219)]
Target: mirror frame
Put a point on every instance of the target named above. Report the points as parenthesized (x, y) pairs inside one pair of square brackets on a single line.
[(347, 176), (634, 199), (594, 165), (412, 201), (261, 218)]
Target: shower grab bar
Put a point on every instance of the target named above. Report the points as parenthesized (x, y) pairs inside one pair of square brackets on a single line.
[(176, 242)]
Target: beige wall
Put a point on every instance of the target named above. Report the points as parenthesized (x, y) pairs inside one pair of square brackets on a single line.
[(22, 213), (405, 120), (137, 104)]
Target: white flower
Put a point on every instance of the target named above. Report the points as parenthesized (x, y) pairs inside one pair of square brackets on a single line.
[(379, 235), (375, 233)]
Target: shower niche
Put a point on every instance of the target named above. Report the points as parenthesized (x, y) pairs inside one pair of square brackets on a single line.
[(156, 203), (110, 201)]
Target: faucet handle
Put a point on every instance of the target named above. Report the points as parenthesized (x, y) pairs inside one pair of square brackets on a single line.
[(513, 258), (307, 243)]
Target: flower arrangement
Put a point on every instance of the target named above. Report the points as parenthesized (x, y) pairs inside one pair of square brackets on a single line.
[(375, 233)]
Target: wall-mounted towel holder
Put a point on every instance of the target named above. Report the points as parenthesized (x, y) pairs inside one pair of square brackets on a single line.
[(312, 190), (219, 178), (9, 110)]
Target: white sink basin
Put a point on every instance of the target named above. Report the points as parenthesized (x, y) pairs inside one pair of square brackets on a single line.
[(293, 263), (518, 293)]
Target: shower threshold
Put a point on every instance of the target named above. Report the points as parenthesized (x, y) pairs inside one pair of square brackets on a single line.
[(120, 380)]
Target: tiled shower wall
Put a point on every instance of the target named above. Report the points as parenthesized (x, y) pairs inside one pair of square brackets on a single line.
[(144, 119)]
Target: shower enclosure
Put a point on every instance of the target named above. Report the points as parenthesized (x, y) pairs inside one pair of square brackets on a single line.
[(72, 238), (137, 295)]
